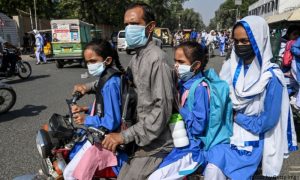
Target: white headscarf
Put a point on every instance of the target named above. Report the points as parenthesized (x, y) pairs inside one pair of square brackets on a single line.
[(254, 85)]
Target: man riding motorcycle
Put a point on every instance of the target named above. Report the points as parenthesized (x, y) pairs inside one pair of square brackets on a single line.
[(7, 57)]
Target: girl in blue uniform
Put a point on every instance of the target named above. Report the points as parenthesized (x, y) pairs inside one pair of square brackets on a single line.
[(263, 126), (101, 60), (222, 41), (190, 61)]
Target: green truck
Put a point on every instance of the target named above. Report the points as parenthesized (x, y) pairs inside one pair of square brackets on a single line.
[(69, 37)]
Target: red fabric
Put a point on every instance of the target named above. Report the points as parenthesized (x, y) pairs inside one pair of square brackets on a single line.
[(105, 173), (287, 56)]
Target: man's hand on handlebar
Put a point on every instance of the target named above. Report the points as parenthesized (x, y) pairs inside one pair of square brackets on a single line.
[(80, 88), (112, 140)]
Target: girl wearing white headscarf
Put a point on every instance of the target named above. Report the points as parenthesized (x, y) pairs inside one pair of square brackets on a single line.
[(263, 129)]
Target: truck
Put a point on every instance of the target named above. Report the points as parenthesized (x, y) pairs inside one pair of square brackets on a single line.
[(69, 37)]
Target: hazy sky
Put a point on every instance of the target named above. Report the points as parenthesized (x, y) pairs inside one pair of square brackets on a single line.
[(206, 8)]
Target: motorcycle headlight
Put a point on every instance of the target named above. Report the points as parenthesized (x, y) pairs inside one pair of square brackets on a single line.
[(43, 143)]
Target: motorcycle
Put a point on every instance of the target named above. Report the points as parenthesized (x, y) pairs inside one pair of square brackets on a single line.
[(7, 98), (56, 139), (22, 68)]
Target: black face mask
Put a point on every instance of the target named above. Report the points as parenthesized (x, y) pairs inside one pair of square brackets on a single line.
[(245, 52)]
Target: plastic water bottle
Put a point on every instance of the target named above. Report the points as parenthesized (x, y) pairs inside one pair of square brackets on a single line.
[(178, 131)]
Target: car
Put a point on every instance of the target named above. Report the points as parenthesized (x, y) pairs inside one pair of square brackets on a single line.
[(164, 34), (121, 44)]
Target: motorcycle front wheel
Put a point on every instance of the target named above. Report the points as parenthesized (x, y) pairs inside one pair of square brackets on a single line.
[(24, 70), (7, 99)]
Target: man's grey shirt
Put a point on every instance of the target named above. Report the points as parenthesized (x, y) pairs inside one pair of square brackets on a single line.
[(155, 87)]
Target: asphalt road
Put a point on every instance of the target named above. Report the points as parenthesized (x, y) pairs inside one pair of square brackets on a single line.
[(44, 94)]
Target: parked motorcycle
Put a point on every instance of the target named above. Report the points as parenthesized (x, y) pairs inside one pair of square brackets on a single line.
[(22, 69), (7, 97), (56, 139)]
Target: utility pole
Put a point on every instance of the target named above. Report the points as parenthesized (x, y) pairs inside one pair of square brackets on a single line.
[(238, 3), (35, 14), (31, 23)]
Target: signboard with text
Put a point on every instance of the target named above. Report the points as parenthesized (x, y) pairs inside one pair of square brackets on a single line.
[(238, 2)]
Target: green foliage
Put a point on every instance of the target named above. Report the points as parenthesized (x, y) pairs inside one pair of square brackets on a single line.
[(168, 12), (191, 19), (226, 15)]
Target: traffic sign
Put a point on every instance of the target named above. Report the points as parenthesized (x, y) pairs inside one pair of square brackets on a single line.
[(238, 2)]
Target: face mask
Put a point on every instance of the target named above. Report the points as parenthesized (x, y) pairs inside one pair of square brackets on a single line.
[(135, 36), (245, 52), (184, 72), (96, 69)]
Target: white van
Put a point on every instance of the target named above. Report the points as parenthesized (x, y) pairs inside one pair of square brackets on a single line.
[(122, 45)]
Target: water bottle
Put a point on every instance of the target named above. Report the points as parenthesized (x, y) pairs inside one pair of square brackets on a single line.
[(178, 131)]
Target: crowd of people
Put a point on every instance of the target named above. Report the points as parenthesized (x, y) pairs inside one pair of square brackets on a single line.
[(213, 39), (230, 125)]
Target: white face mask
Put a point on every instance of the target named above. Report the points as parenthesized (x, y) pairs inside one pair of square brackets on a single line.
[(184, 72), (96, 69)]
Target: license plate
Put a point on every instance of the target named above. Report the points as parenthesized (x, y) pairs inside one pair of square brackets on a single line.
[(66, 49)]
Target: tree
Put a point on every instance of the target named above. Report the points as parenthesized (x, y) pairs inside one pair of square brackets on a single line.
[(191, 19), (225, 16), (168, 12)]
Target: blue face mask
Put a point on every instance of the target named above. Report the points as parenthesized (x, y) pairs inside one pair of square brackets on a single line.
[(96, 69), (184, 72), (135, 36)]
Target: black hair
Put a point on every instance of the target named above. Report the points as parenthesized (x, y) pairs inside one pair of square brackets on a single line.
[(194, 52), (104, 49), (148, 15), (290, 30)]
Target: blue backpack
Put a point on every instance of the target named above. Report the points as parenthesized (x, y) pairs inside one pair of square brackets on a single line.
[(220, 123)]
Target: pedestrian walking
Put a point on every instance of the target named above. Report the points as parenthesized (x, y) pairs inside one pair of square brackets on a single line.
[(39, 43), (194, 35), (222, 41)]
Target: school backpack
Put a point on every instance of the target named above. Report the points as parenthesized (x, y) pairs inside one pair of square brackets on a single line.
[(128, 96), (288, 56), (220, 123), (128, 101)]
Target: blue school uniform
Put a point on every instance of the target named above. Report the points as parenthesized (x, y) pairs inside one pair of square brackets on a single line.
[(240, 164), (195, 123), (222, 40), (112, 116)]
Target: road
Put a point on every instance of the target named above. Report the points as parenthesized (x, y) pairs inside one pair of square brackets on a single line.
[(41, 96)]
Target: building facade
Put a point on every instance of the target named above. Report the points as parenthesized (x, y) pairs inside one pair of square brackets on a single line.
[(267, 8), (8, 30)]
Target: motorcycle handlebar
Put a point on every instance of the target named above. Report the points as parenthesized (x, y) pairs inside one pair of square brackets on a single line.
[(76, 96), (98, 134)]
